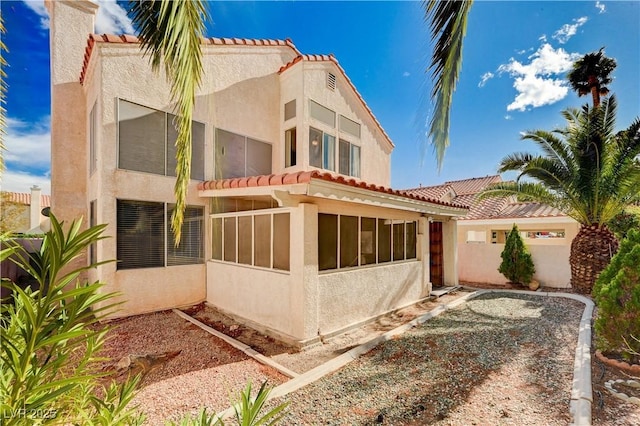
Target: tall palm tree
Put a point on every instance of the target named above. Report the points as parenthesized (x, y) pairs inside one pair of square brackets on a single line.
[(448, 22), (170, 32), (590, 74), (587, 171)]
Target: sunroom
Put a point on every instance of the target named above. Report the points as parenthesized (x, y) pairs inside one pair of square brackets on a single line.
[(307, 255)]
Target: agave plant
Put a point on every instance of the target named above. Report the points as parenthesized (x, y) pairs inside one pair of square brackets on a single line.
[(49, 349), (586, 170)]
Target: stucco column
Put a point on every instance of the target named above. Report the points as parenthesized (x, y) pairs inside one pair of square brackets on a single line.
[(450, 243), (423, 255), (71, 24), (304, 271)]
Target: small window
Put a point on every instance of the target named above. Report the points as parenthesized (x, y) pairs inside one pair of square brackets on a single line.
[(290, 110), (245, 232), (239, 156), (322, 149), (331, 81), (349, 126), (411, 240), (216, 238), (262, 241), (189, 251), (384, 241), (348, 159), (315, 148), (321, 113), (398, 241), (477, 236), (281, 240), (367, 240), (329, 152), (140, 234), (348, 241), (327, 241), (230, 239), (290, 142)]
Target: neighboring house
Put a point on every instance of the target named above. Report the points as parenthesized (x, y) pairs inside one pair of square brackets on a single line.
[(21, 213), (546, 231), (291, 225)]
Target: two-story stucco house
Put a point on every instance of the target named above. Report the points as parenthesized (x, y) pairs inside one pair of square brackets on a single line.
[(291, 225)]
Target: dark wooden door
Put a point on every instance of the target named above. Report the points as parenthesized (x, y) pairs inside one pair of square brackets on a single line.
[(436, 254)]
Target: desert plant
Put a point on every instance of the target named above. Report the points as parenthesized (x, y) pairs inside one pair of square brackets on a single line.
[(48, 355), (517, 265), (617, 295), (247, 411), (623, 222)]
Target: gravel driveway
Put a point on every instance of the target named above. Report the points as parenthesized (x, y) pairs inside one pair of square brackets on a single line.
[(498, 359)]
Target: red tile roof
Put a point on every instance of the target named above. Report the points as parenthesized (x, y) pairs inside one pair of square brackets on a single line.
[(307, 177), (125, 38), (25, 199), (331, 58), (491, 208)]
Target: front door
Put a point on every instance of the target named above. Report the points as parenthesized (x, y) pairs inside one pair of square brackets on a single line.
[(436, 254)]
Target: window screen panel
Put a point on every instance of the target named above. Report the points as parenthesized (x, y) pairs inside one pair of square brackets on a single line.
[(290, 142), (411, 240), (368, 241), (197, 148), (216, 238), (141, 138), (355, 161), (262, 241), (384, 241), (344, 151), (245, 237), (290, 110), (190, 250), (229, 157), (281, 241), (322, 114), (258, 158), (327, 241), (349, 126), (230, 239), (140, 234), (315, 147), (398, 241), (348, 241)]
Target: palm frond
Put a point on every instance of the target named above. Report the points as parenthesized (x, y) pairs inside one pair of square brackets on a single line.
[(448, 24), (171, 32)]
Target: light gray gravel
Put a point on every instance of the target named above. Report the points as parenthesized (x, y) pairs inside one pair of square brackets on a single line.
[(500, 359)]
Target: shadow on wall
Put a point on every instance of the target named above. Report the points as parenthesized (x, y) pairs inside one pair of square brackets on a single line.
[(12, 272)]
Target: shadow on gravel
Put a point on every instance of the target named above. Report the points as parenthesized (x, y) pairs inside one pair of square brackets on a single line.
[(423, 375)]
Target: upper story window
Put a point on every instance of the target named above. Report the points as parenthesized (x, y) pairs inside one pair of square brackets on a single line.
[(348, 159), (349, 126), (240, 156), (322, 149), (322, 114), (290, 110), (146, 141)]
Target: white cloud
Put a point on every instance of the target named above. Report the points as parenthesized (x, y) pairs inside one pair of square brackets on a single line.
[(406, 74), (601, 7), (485, 77), (28, 144), (536, 82), (112, 19), (14, 181), (38, 7), (508, 117), (543, 38), (569, 30)]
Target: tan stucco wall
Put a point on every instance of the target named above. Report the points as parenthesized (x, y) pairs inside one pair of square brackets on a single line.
[(479, 262)]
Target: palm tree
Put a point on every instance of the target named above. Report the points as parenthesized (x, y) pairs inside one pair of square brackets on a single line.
[(170, 32), (590, 74), (587, 171), (448, 22)]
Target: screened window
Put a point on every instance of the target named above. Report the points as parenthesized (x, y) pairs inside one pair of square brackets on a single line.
[(239, 156), (290, 142), (349, 241), (146, 141), (349, 159), (290, 110), (257, 240), (349, 126), (142, 230), (322, 114)]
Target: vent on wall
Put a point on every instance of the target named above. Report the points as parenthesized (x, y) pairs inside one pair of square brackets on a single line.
[(331, 81)]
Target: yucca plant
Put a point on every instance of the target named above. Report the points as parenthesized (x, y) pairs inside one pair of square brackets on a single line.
[(49, 349), (588, 171)]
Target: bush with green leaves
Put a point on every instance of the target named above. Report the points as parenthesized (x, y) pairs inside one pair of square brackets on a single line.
[(623, 222), (517, 265), (617, 295), (49, 350)]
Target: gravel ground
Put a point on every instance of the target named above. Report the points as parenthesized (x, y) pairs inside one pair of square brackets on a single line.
[(499, 359)]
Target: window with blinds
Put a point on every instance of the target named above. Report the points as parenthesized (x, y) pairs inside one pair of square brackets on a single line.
[(145, 240), (146, 141), (239, 156)]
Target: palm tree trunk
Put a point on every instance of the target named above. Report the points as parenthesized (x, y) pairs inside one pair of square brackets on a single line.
[(595, 90), (591, 251)]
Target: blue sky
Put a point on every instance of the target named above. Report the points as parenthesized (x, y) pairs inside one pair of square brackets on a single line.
[(516, 56)]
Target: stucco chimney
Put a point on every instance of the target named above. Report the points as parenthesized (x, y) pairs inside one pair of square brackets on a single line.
[(35, 207), (71, 23)]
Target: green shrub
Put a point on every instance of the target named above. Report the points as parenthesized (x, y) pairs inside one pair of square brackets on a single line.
[(617, 294), (623, 222), (517, 265), (48, 352)]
